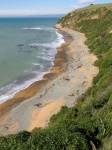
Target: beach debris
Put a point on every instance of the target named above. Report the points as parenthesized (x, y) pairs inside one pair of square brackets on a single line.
[(38, 105), (79, 66), (66, 78), (6, 128), (40, 96), (84, 83), (72, 94)]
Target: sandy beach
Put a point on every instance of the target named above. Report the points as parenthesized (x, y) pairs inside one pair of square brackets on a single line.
[(68, 79)]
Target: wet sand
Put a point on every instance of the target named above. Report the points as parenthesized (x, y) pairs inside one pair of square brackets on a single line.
[(68, 79)]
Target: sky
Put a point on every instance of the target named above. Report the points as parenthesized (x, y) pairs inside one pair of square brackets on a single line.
[(37, 7)]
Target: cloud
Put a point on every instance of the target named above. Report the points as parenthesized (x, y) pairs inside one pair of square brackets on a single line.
[(75, 6), (86, 1), (17, 12), (31, 12)]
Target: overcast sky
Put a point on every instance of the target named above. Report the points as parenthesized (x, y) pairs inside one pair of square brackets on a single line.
[(36, 7)]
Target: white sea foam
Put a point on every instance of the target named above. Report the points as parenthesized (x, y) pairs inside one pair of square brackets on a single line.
[(28, 28), (45, 58), (12, 89), (37, 28), (54, 44), (36, 64)]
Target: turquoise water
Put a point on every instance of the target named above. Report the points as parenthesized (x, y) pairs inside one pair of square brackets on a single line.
[(27, 50)]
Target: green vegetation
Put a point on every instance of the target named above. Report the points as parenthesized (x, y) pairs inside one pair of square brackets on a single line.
[(88, 125)]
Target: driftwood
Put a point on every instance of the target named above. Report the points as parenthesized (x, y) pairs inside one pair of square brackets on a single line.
[(38, 105), (93, 146), (66, 78)]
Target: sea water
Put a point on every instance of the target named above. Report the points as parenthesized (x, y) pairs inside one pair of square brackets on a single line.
[(27, 51)]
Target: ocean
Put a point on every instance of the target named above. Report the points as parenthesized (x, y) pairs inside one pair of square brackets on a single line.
[(27, 51)]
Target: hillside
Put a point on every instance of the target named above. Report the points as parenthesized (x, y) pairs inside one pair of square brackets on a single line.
[(87, 125)]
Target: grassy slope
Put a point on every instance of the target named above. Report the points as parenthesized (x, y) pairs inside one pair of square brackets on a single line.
[(89, 123)]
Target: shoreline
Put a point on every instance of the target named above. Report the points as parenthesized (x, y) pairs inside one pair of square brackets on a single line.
[(68, 79), (59, 60)]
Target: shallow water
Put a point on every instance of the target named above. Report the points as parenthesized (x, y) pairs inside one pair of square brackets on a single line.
[(27, 50)]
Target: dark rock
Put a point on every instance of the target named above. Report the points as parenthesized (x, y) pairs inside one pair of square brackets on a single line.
[(38, 105), (20, 45)]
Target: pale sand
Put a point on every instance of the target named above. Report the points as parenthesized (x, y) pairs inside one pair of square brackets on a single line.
[(40, 117), (5, 119), (70, 82), (11, 128)]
